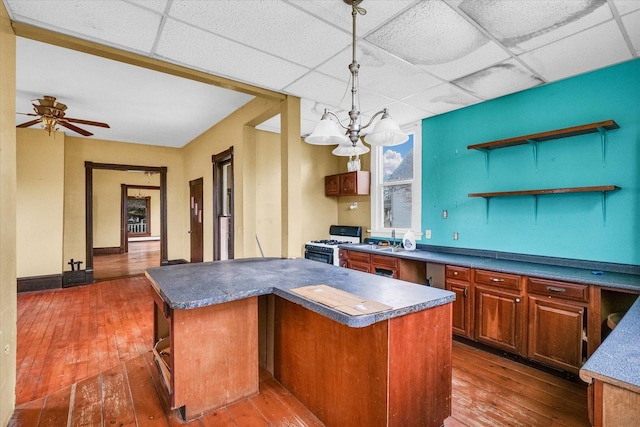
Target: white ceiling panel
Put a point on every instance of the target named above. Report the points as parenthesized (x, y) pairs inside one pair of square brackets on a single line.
[(114, 23), (525, 25), (270, 26), (394, 77), (202, 50), (632, 24), (502, 79), (442, 99), (433, 36), (416, 56), (589, 50)]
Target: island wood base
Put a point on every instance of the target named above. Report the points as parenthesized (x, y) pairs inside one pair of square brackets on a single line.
[(213, 354), (396, 372)]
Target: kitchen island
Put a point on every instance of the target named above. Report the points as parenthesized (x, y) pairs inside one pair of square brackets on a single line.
[(391, 367)]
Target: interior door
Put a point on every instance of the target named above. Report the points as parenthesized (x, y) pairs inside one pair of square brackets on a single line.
[(223, 205), (196, 229)]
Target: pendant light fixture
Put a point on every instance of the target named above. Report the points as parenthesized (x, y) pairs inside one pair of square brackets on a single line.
[(327, 132)]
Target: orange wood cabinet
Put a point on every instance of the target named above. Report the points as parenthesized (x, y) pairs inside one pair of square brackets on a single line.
[(500, 311), (458, 281), (558, 323), (396, 372), (212, 356), (355, 183)]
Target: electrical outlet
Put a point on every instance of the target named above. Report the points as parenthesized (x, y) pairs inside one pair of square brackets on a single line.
[(455, 236), (427, 234)]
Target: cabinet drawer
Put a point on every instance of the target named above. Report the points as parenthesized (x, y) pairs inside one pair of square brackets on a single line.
[(459, 273), (503, 280), (359, 257), (384, 261), (563, 290)]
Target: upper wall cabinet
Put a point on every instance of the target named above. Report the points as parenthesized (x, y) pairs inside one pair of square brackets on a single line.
[(347, 184)]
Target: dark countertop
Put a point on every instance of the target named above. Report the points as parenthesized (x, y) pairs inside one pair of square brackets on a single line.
[(617, 360), (609, 279), (188, 286)]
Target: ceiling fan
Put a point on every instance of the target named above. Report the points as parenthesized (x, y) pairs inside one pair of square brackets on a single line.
[(51, 113)]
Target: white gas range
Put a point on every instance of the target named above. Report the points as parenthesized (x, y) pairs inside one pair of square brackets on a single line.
[(327, 250)]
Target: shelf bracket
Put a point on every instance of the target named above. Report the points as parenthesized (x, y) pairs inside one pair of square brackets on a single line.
[(486, 212), (603, 142), (535, 208), (534, 145), (486, 160), (604, 208)]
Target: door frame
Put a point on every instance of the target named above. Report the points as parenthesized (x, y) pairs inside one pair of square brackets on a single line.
[(89, 167), (218, 160), (192, 183), (124, 195)]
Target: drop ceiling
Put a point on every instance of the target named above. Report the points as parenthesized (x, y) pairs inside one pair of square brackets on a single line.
[(419, 58)]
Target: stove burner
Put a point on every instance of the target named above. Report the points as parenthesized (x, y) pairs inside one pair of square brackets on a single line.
[(330, 242)]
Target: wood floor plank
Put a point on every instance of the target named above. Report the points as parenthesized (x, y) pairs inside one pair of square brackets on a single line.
[(55, 412), (220, 418), (28, 414), (245, 413), (147, 407), (87, 403), (116, 397)]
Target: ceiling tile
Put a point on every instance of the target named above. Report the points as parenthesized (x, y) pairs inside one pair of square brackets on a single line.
[(114, 22), (631, 22), (402, 113), (442, 99), (338, 13), (205, 51), (381, 72), (626, 6), (433, 36), (592, 49), (155, 5), (525, 25), (498, 80), (275, 27)]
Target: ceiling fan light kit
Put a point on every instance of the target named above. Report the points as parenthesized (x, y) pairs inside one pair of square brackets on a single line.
[(51, 113), (327, 132)]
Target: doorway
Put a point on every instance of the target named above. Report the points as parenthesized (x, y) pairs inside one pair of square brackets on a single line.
[(89, 214), (223, 205), (195, 220)]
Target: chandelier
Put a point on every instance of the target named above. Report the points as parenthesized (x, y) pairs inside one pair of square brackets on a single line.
[(386, 132)]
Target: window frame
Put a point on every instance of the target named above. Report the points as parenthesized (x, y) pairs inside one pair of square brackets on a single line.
[(377, 199)]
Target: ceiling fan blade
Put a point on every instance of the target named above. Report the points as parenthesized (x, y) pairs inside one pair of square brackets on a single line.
[(87, 122), (31, 123), (74, 128), (28, 114)]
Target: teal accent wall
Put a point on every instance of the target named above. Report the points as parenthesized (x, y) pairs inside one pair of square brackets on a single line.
[(564, 225)]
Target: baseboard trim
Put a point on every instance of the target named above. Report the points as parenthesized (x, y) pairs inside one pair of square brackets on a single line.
[(107, 251), (39, 283)]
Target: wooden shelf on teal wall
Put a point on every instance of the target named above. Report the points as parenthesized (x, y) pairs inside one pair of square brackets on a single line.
[(603, 189), (534, 139)]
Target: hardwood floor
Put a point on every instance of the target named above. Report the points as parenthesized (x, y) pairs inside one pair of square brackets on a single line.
[(142, 255), (84, 359)]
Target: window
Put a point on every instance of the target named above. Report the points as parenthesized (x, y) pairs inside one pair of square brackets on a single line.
[(396, 187)]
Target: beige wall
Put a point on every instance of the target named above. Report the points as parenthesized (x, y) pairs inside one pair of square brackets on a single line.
[(79, 150), (362, 215), (39, 197), (268, 194), (8, 311)]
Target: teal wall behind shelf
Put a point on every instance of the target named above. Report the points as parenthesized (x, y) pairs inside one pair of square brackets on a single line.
[(564, 225)]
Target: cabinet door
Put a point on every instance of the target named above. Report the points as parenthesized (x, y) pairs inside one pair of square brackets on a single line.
[(332, 185), (500, 317), (349, 183), (462, 307), (555, 333)]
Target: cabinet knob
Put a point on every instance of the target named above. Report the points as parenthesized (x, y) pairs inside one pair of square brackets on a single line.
[(517, 299), (495, 279), (466, 292), (455, 273)]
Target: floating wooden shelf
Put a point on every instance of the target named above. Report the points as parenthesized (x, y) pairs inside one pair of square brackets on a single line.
[(601, 188), (547, 136), (534, 139)]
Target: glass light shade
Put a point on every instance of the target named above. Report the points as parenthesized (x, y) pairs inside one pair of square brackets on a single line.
[(350, 150), (327, 132), (386, 132)]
